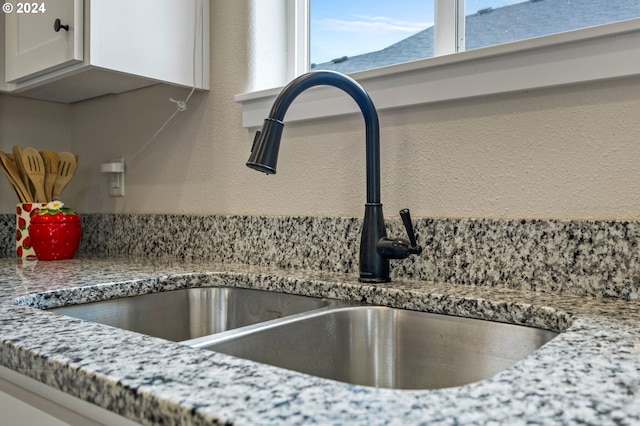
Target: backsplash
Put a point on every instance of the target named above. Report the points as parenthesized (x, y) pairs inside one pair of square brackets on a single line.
[(594, 258)]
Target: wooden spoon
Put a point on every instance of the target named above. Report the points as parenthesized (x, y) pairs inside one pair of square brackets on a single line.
[(12, 172), (13, 185), (66, 168), (34, 166), (17, 154), (12, 182), (50, 159)]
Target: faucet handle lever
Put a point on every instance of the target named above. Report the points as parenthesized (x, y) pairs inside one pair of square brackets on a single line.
[(406, 220)]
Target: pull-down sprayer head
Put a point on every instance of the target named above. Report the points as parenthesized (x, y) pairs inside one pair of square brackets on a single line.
[(266, 145)]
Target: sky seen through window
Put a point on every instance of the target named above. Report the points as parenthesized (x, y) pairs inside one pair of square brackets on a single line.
[(353, 27)]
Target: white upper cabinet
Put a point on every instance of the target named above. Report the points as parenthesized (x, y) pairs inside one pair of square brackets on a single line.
[(35, 44), (70, 50)]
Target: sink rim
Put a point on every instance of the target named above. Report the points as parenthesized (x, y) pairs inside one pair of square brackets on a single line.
[(247, 329), (155, 313), (200, 342)]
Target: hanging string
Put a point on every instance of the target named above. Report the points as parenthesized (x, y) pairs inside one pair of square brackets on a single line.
[(180, 105)]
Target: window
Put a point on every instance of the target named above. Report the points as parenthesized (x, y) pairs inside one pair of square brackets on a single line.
[(350, 36), (567, 57)]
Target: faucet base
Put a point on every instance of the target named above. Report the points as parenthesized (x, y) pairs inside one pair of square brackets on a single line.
[(374, 280), (374, 268)]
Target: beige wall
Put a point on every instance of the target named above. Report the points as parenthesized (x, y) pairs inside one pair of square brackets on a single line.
[(24, 122), (566, 153)]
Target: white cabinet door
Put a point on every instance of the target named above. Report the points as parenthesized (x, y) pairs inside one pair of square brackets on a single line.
[(24, 401), (33, 46), (17, 413)]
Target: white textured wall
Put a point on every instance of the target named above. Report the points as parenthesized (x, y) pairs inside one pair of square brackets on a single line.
[(566, 153)]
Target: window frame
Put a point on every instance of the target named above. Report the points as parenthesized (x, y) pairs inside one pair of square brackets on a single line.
[(589, 54)]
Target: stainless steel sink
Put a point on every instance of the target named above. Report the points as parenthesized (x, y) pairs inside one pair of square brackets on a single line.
[(364, 345), (385, 347), (189, 313)]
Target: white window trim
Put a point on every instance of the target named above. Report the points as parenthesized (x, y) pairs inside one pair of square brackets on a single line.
[(448, 27), (298, 38), (590, 54)]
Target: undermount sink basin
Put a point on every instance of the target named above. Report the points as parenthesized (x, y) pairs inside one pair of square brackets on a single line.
[(385, 347), (363, 345), (189, 313)]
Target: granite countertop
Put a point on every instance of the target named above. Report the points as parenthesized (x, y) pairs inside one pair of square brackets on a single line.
[(589, 374)]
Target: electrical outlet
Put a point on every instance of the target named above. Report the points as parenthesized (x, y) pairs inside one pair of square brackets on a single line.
[(115, 168), (116, 188)]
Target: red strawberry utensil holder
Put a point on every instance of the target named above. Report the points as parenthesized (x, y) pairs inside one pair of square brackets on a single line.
[(55, 232)]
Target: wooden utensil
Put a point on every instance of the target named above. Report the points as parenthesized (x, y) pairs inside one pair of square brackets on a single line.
[(34, 166), (28, 185), (13, 185), (66, 168), (50, 159), (12, 172), (17, 153)]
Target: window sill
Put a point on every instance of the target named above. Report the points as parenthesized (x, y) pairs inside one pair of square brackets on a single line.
[(597, 53)]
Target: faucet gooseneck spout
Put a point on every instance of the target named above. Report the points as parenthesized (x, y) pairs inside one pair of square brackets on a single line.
[(375, 248)]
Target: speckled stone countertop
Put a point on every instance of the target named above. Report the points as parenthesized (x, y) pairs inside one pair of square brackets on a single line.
[(589, 374)]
